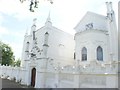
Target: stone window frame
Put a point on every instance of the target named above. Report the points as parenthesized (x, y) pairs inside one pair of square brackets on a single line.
[(84, 54), (99, 53)]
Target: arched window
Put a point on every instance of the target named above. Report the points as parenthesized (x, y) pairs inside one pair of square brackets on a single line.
[(84, 54), (27, 47), (99, 53), (33, 35), (74, 56)]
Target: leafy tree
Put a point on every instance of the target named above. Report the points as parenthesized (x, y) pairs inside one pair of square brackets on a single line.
[(0, 53), (34, 4), (6, 54), (17, 63)]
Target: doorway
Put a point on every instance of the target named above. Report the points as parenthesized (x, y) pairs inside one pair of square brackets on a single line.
[(33, 76)]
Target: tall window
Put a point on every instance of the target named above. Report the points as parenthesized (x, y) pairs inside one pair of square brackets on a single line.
[(99, 53), (74, 56), (27, 47), (84, 54)]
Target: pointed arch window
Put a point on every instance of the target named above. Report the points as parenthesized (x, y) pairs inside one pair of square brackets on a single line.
[(84, 54), (74, 56), (99, 53), (27, 47)]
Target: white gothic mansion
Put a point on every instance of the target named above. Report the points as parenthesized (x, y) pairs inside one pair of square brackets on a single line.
[(52, 58)]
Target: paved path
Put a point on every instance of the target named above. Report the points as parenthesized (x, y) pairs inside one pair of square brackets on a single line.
[(11, 84)]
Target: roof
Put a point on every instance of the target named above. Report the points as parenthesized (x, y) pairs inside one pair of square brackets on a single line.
[(98, 22)]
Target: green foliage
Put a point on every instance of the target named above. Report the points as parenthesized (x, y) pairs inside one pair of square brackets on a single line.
[(0, 53), (34, 4), (6, 54), (17, 63)]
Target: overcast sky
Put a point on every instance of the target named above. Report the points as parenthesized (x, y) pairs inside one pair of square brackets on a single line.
[(15, 18)]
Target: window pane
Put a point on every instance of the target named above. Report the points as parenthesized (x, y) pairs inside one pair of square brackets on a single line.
[(74, 56), (84, 54), (99, 54)]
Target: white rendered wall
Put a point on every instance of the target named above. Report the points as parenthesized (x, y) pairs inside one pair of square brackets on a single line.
[(61, 44), (91, 39)]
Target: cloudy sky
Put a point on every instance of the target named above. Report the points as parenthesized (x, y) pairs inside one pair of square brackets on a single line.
[(15, 17)]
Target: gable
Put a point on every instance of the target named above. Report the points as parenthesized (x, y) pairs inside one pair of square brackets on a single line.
[(92, 21)]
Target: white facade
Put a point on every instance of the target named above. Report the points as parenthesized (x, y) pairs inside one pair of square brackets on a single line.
[(96, 30), (48, 55), (59, 45)]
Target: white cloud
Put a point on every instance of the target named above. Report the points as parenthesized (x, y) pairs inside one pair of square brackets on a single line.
[(15, 41), (15, 8), (21, 10), (65, 8), (9, 7), (1, 19), (3, 31)]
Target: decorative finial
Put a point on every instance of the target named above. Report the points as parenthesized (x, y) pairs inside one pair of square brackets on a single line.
[(26, 33), (34, 21), (48, 19), (110, 11), (109, 7)]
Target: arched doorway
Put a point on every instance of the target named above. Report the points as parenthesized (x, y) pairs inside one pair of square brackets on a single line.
[(33, 75)]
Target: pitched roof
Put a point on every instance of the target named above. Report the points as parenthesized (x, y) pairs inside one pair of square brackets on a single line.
[(99, 22)]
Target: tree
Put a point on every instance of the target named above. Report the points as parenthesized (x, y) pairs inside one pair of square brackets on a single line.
[(17, 63), (6, 54), (0, 53), (34, 4)]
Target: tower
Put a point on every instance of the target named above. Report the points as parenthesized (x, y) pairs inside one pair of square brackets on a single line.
[(25, 51), (29, 41), (33, 28), (33, 37), (110, 11), (48, 24), (112, 31)]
